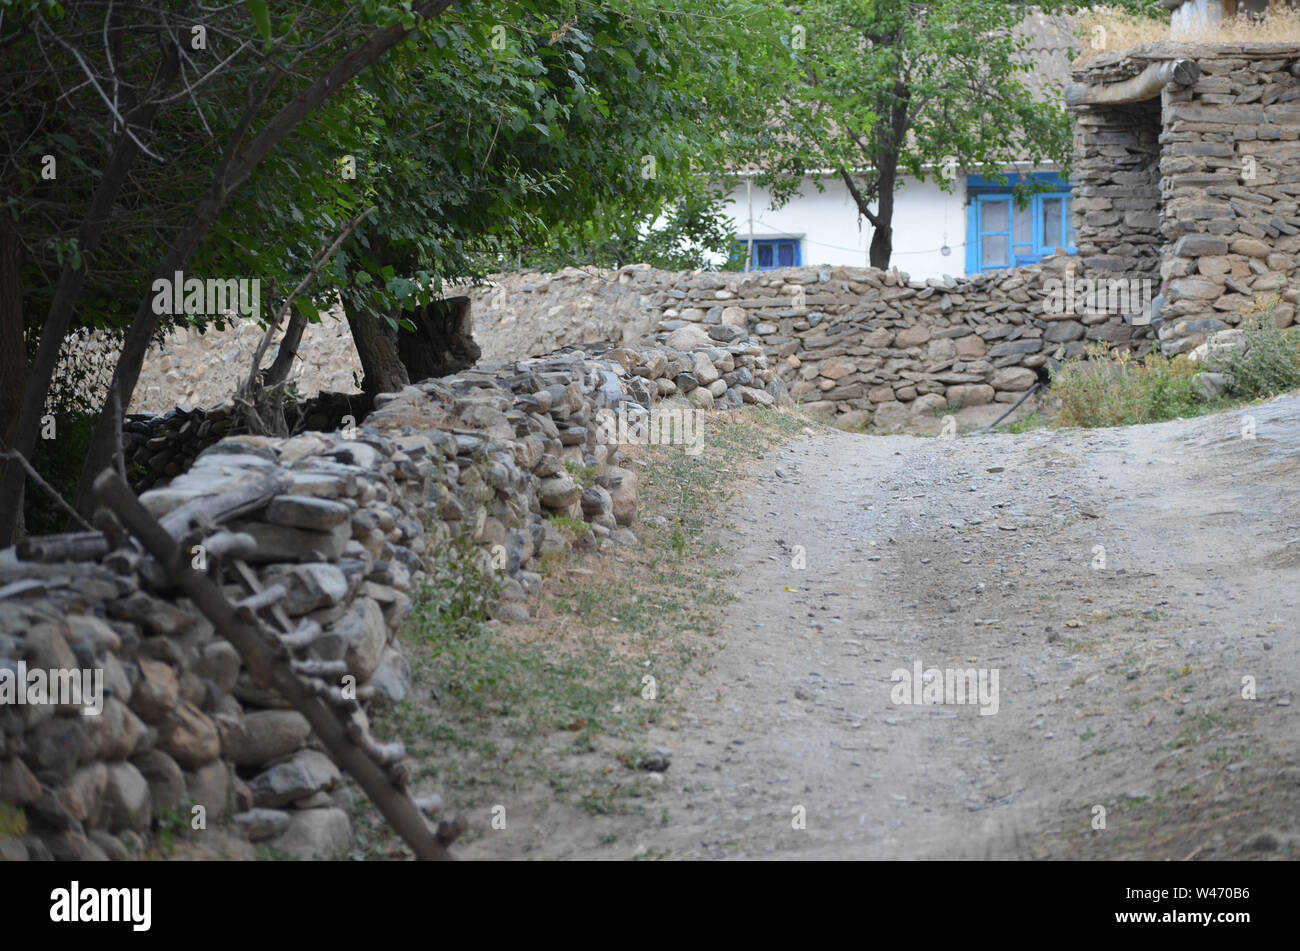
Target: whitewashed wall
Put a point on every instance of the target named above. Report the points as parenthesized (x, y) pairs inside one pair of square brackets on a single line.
[(826, 222), (1195, 15)]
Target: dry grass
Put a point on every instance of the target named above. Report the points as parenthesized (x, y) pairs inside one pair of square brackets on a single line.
[(1103, 29)]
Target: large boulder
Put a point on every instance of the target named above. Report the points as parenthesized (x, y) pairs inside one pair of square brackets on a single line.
[(970, 394)]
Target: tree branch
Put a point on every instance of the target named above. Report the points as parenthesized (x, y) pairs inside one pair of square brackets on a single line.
[(318, 262), (18, 457), (229, 177), (858, 198)]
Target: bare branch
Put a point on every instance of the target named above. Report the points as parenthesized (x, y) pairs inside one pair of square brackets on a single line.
[(7, 453), (122, 122)]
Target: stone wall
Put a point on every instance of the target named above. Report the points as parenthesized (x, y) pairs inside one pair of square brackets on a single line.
[(159, 448), (860, 346), (1116, 189), (903, 350), (1228, 230), (182, 724), (516, 315), (482, 456)]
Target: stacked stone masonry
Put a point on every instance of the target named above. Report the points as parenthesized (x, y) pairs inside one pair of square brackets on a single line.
[(484, 456), (857, 346), (1202, 181)]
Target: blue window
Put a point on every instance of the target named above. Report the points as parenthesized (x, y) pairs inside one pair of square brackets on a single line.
[(771, 253), (1000, 235)]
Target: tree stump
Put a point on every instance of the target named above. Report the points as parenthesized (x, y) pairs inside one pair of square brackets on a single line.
[(443, 342)]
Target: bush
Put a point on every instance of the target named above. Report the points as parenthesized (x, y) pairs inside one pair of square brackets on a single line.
[(460, 593), (1110, 388), (1269, 363)]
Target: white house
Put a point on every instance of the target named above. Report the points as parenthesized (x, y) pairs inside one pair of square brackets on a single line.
[(975, 227)]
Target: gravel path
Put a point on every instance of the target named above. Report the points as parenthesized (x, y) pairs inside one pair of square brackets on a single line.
[(1119, 690)]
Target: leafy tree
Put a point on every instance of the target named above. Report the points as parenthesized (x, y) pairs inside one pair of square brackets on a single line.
[(892, 89), (100, 88), (473, 133), (559, 136), (689, 235)]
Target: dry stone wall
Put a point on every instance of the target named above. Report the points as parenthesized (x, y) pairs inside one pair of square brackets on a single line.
[(1222, 156), (1116, 189), (896, 353), (483, 456), (861, 346)]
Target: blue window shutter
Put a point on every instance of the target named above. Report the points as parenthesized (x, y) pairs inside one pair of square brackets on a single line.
[(978, 187), (772, 253), (972, 244), (989, 230)]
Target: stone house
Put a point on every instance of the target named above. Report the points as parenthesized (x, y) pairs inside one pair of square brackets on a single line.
[(1187, 175)]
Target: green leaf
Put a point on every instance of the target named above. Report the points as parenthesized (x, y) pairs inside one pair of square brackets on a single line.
[(261, 18)]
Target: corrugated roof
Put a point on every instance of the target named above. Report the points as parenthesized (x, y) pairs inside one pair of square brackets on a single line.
[(1051, 43)]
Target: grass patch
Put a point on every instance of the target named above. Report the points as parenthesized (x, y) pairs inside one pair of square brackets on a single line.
[(1034, 420), (574, 529), (13, 821), (585, 476), (1109, 387), (1105, 28), (460, 593)]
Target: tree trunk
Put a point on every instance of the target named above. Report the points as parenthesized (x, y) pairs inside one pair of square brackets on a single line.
[(90, 233), (55, 328), (443, 341), (13, 358), (13, 347), (882, 242), (441, 344), (376, 344), (278, 371)]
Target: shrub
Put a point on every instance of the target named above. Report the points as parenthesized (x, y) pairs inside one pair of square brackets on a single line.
[(572, 528), (1110, 388), (585, 476), (1270, 362), (460, 593)]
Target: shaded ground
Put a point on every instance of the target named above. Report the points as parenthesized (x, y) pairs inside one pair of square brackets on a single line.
[(1120, 683)]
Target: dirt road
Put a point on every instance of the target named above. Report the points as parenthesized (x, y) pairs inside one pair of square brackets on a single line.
[(1123, 585)]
